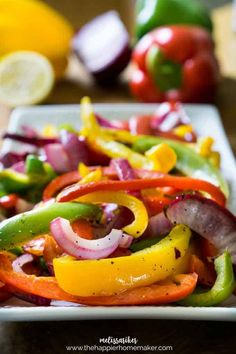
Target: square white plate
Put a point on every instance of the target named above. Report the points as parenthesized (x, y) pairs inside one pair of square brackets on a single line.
[(206, 121)]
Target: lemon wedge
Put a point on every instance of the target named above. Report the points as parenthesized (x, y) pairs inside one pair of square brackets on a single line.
[(26, 78)]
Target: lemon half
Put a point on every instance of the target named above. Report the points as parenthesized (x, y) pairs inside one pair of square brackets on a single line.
[(26, 78)]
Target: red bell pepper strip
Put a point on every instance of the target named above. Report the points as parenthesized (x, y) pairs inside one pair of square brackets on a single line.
[(8, 201), (60, 182), (184, 183), (175, 63), (165, 292), (83, 228), (155, 203)]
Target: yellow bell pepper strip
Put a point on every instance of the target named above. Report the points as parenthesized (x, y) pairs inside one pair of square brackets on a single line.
[(138, 226), (189, 162), (166, 292), (103, 139), (83, 169), (182, 130), (222, 289), (163, 157), (93, 176), (114, 275), (204, 145)]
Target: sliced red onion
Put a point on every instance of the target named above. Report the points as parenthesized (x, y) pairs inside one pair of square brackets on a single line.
[(29, 131), (158, 225), (36, 141), (79, 247), (208, 219), (19, 167), (35, 245), (75, 147), (9, 159), (124, 172), (169, 116), (103, 46), (33, 299), (123, 169), (125, 241), (19, 262), (107, 123), (57, 157)]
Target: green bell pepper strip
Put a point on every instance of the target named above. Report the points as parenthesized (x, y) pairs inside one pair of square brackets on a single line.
[(222, 289), (23, 227), (29, 184), (189, 162), (138, 246), (154, 13), (33, 166)]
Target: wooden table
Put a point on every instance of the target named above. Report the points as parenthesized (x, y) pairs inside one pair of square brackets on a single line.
[(185, 337)]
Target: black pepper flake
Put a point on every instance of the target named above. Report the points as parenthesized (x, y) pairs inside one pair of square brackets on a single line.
[(112, 262), (177, 253), (177, 283)]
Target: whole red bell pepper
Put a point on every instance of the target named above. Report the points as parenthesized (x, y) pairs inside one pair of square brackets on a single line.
[(175, 63)]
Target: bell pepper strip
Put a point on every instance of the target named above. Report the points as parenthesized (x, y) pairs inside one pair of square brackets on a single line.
[(138, 226), (156, 13), (208, 250), (113, 275), (155, 203), (60, 182), (4, 294), (185, 183), (41, 286), (206, 275), (51, 250), (163, 157), (23, 227), (9, 201), (93, 176), (34, 166), (222, 289), (35, 246), (103, 140), (166, 292), (188, 161), (13, 181), (175, 63), (83, 228)]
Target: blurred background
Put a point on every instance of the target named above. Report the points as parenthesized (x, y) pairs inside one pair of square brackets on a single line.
[(77, 81)]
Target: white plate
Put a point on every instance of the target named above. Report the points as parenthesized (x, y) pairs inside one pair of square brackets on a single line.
[(206, 121)]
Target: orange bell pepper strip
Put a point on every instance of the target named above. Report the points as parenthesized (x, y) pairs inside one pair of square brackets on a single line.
[(206, 274), (51, 250), (166, 292), (184, 183), (4, 294), (162, 293)]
